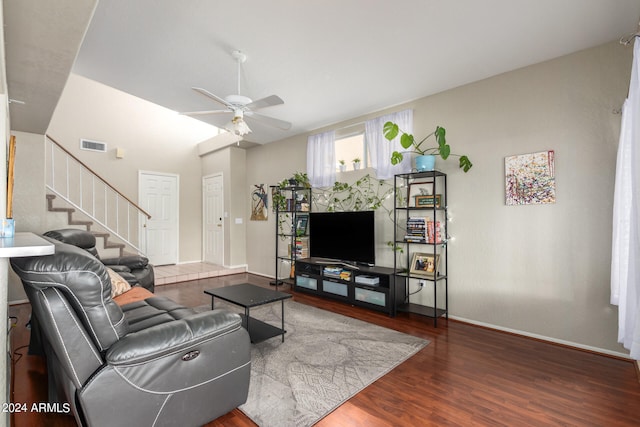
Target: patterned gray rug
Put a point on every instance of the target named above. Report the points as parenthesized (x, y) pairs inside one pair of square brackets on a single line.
[(326, 359)]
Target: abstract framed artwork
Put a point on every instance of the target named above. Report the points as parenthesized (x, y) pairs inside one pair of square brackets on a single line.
[(530, 179)]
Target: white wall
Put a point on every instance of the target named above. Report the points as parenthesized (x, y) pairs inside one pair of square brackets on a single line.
[(542, 270), (153, 138)]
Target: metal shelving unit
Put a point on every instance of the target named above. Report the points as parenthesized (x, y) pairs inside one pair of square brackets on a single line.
[(421, 230), (291, 227)]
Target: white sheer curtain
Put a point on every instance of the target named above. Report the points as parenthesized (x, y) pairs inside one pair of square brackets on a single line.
[(625, 254), (380, 148), (321, 159)]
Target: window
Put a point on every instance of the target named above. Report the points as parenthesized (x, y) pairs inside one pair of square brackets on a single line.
[(349, 148)]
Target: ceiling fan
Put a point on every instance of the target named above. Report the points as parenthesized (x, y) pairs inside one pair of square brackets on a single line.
[(241, 106)]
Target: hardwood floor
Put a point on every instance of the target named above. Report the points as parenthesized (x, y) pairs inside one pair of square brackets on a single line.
[(467, 375)]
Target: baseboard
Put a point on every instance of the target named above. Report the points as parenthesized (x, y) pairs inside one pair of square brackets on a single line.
[(571, 344), (18, 302), (245, 266), (268, 276)]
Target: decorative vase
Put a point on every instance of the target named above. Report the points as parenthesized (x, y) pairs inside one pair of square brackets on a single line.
[(425, 162)]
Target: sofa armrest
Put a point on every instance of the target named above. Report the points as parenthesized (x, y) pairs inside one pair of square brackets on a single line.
[(134, 262), (119, 268), (171, 337)]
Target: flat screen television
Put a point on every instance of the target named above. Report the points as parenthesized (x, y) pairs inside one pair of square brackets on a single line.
[(343, 236)]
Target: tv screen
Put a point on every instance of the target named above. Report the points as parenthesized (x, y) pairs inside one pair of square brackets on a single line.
[(344, 236)]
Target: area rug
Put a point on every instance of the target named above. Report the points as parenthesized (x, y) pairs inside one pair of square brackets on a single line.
[(326, 359)]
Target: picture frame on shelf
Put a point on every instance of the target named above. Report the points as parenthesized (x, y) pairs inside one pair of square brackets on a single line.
[(428, 201), (302, 222), (424, 264), (421, 192)]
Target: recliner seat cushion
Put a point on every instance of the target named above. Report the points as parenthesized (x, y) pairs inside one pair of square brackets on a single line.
[(153, 311)]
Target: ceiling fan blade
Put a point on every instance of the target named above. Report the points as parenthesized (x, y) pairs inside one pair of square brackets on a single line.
[(281, 124), (212, 96), (202, 113), (265, 102)]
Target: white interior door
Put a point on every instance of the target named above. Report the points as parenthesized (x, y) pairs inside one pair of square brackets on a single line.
[(158, 195), (212, 218)]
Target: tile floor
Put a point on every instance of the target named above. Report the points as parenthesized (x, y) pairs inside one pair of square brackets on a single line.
[(166, 274)]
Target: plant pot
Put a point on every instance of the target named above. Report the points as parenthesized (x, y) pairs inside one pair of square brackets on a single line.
[(342, 168), (425, 163), (356, 166)]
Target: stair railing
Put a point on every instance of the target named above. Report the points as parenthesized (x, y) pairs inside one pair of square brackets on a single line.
[(73, 181)]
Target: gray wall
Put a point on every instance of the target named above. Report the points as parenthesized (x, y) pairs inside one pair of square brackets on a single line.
[(230, 162), (541, 270)]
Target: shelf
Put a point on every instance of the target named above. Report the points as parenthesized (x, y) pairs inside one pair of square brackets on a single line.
[(421, 208), (422, 243), (260, 331), (422, 310), (414, 276), (420, 175), (25, 244)]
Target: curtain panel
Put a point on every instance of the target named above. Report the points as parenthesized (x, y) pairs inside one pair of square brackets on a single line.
[(625, 252), (380, 148), (321, 159)]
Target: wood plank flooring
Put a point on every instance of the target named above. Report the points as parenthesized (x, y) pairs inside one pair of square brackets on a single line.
[(466, 376)]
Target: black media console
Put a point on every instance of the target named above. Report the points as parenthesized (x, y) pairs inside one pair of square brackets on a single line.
[(371, 287)]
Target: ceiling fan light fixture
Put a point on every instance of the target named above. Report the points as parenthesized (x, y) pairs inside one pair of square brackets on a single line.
[(237, 125)]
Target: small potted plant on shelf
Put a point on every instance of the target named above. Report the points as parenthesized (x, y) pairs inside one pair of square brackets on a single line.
[(298, 179), (356, 164), (425, 161), (341, 166)]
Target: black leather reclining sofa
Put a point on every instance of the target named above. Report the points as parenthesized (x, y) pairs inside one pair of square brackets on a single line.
[(148, 363)]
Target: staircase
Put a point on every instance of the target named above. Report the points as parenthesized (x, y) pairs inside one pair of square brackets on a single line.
[(84, 192), (71, 221)]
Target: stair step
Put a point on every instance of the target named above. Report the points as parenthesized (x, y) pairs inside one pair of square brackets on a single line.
[(114, 246), (104, 235)]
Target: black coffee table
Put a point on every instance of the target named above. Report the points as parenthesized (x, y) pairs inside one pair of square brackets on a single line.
[(247, 295)]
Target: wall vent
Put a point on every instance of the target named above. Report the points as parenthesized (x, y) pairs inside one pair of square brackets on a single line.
[(86, 144)]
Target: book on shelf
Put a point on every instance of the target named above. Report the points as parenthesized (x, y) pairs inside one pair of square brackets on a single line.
[(434, 232), (423, 230), (338, 273), (300, 248)]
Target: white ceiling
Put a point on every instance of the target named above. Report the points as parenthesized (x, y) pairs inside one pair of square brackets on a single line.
[(329, 60)]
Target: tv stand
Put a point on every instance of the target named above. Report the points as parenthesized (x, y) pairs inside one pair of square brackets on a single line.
[(372, 287), (325, 261)]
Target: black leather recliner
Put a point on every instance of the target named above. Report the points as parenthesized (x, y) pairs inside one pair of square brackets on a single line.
[(135, 269), (149, 363)]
